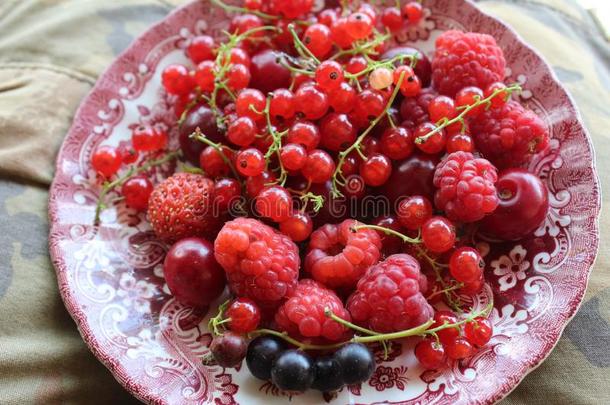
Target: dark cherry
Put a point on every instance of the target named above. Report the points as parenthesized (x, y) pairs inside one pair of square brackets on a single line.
[(390, 244), (524, 203), (267, 73), (423, 68), (412, 176), (192, 273), (200, 116), (334, 209)]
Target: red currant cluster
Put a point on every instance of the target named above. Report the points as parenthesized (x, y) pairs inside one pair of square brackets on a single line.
[(300, 113)]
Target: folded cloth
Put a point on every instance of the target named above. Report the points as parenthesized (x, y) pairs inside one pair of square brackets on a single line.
[(50, 55)]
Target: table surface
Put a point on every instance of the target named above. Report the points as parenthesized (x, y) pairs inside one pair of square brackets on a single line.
[(51, 52)]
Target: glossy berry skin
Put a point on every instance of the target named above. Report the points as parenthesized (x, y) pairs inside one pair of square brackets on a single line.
[(356, 64), (500, 98), (359, 25), (412, 176), (523, 205), (137, 191), (202, 117), (342, 98), (423, 68), (226, 192), (212, 163), (148, 138), (274, 203), (201, 48), (242, 131), (337, 132), (369, 105), (468, 96), (177, 79), (459, 349), (397, 143), (381, 78), (433, 144), (413, 11), (356, 361), (414, 211), (294, 8), (245, 22), (449, 334), (438, 234), (248, 99), (410, 86), (392, 18), (293, 371), (317, 39), (430, 354), (244, 314), (329, 375), (376, 170), (329, 75), (319, 166), (293, 156), (254, 185), (479, 331), (204, 76), (229, 349), (106, 161), (441, 107), (192, 273), (460, 142), (389, 244), (311, 102), (282, 104), (261, 354), (304, 133), (267, 73), (297, 227), (128, 153), (250, 162), (466, 265)]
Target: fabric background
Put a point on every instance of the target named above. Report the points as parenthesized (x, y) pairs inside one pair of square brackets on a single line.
[(51, 52)]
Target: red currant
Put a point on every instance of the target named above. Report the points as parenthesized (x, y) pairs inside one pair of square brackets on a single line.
[(106, 161), (414, 211), (466, 265), (282, 104), (250, 103), (319, 167), (239, 56), (254, 185), (468, 96), (392, 18), (148, 138), (253, 4), (337, 132), (479, 331), (410, 85), (446, 318), (340, 34), (370, 104), (201, 48), (430, 354), (250, 162), (226, 191), (329, 75), (343, 98), (441, 107), (370, 11), (328, 16), (274, 203), (204, 76), (238, 77), (438, 234), (304, 133), (473, 287), (433, 144), (500, 98), (317, 39), (359, 26), (311, 102), (294, 8), (460, 142), (246, 22), (356, 65), (376, 170), (413, 11), (137, 191), (298, 227), (459, 349), (177, 80), (244, 315), (128, 153), (397, 143), (293, 156), (242, 131)]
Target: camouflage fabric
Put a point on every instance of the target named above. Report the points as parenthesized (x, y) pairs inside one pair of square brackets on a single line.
[(51, 52)]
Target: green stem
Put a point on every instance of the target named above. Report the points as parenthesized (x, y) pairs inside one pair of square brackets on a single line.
[(243, 10), (134, 170), (391, 232), (276, 146), (375, 65), (199, 136), (301, 48)]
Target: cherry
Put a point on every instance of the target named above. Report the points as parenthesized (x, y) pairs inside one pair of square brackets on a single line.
[(250, 162), (359, 26), (423, 67), (201, 48), (226, 191), (433, 144), (337, 132), (205, 75), (499, 99), (413, 212), (319, 166), (430, 354), (376, 170), (392, 18), (311, 102), (229, 349), (479, 331), (413, 11), (304, 133), (329, 75), (254, 185), (238, 77), (410, 85), (397, 143), (460, 142), (438, 234), (446, 335), (251, 103), (282, 104), (274, 203), (298, 227), (106, 161), (524, 203), (459, 349), (244, 315), (268, 73), (342, 98), (317, 39), (466, 265), (177, 79), (293, 156), (242, 131), (192, 273), (202, 117), (413, 176), (212, 162), (390, 244)]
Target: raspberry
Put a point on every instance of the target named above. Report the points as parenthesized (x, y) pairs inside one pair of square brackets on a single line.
[(466, 190), (509, 136), (338, 255), (261, 263), (414, 110), (389, 296), (303, 313), (466, 59), (181, 207)]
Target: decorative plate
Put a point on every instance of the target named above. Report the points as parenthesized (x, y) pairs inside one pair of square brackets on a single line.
[(111, 279)]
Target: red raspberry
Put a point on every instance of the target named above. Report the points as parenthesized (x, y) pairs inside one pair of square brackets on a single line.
[(509, 136), (389, 296), (466, 59), (414, 110), (181, 207), (303, 314), (338, 256), (466, 187), (261, 263)]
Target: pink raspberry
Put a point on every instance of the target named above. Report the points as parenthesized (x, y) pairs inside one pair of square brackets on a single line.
[(466, 188), (303, 313), (389, 296), (261, 263), (465, 59), (414, 110), (338, 256), (509, 136)]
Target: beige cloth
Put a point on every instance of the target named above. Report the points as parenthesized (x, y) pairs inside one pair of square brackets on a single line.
[(51, 51)]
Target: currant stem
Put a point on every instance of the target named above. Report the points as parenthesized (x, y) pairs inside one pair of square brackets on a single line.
[(199, 136), (466, 109), (329, 313), (243, 10), (276, 146), (374, 65), (301, 48), (391, 232), (364, 48), (318, 200), (107, 187)]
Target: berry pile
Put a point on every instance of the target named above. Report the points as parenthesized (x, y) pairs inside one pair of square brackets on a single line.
[(288, 128)]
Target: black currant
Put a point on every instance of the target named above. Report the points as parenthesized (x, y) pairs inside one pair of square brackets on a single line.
[(261, 354), (356, 361), (329, 376), (229, 349), (293, 371)]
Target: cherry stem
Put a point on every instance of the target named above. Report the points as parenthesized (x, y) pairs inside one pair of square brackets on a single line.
[(466, 109), (389, 231), (356, 145), (133, 170), (243, 10), (199, 136)]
